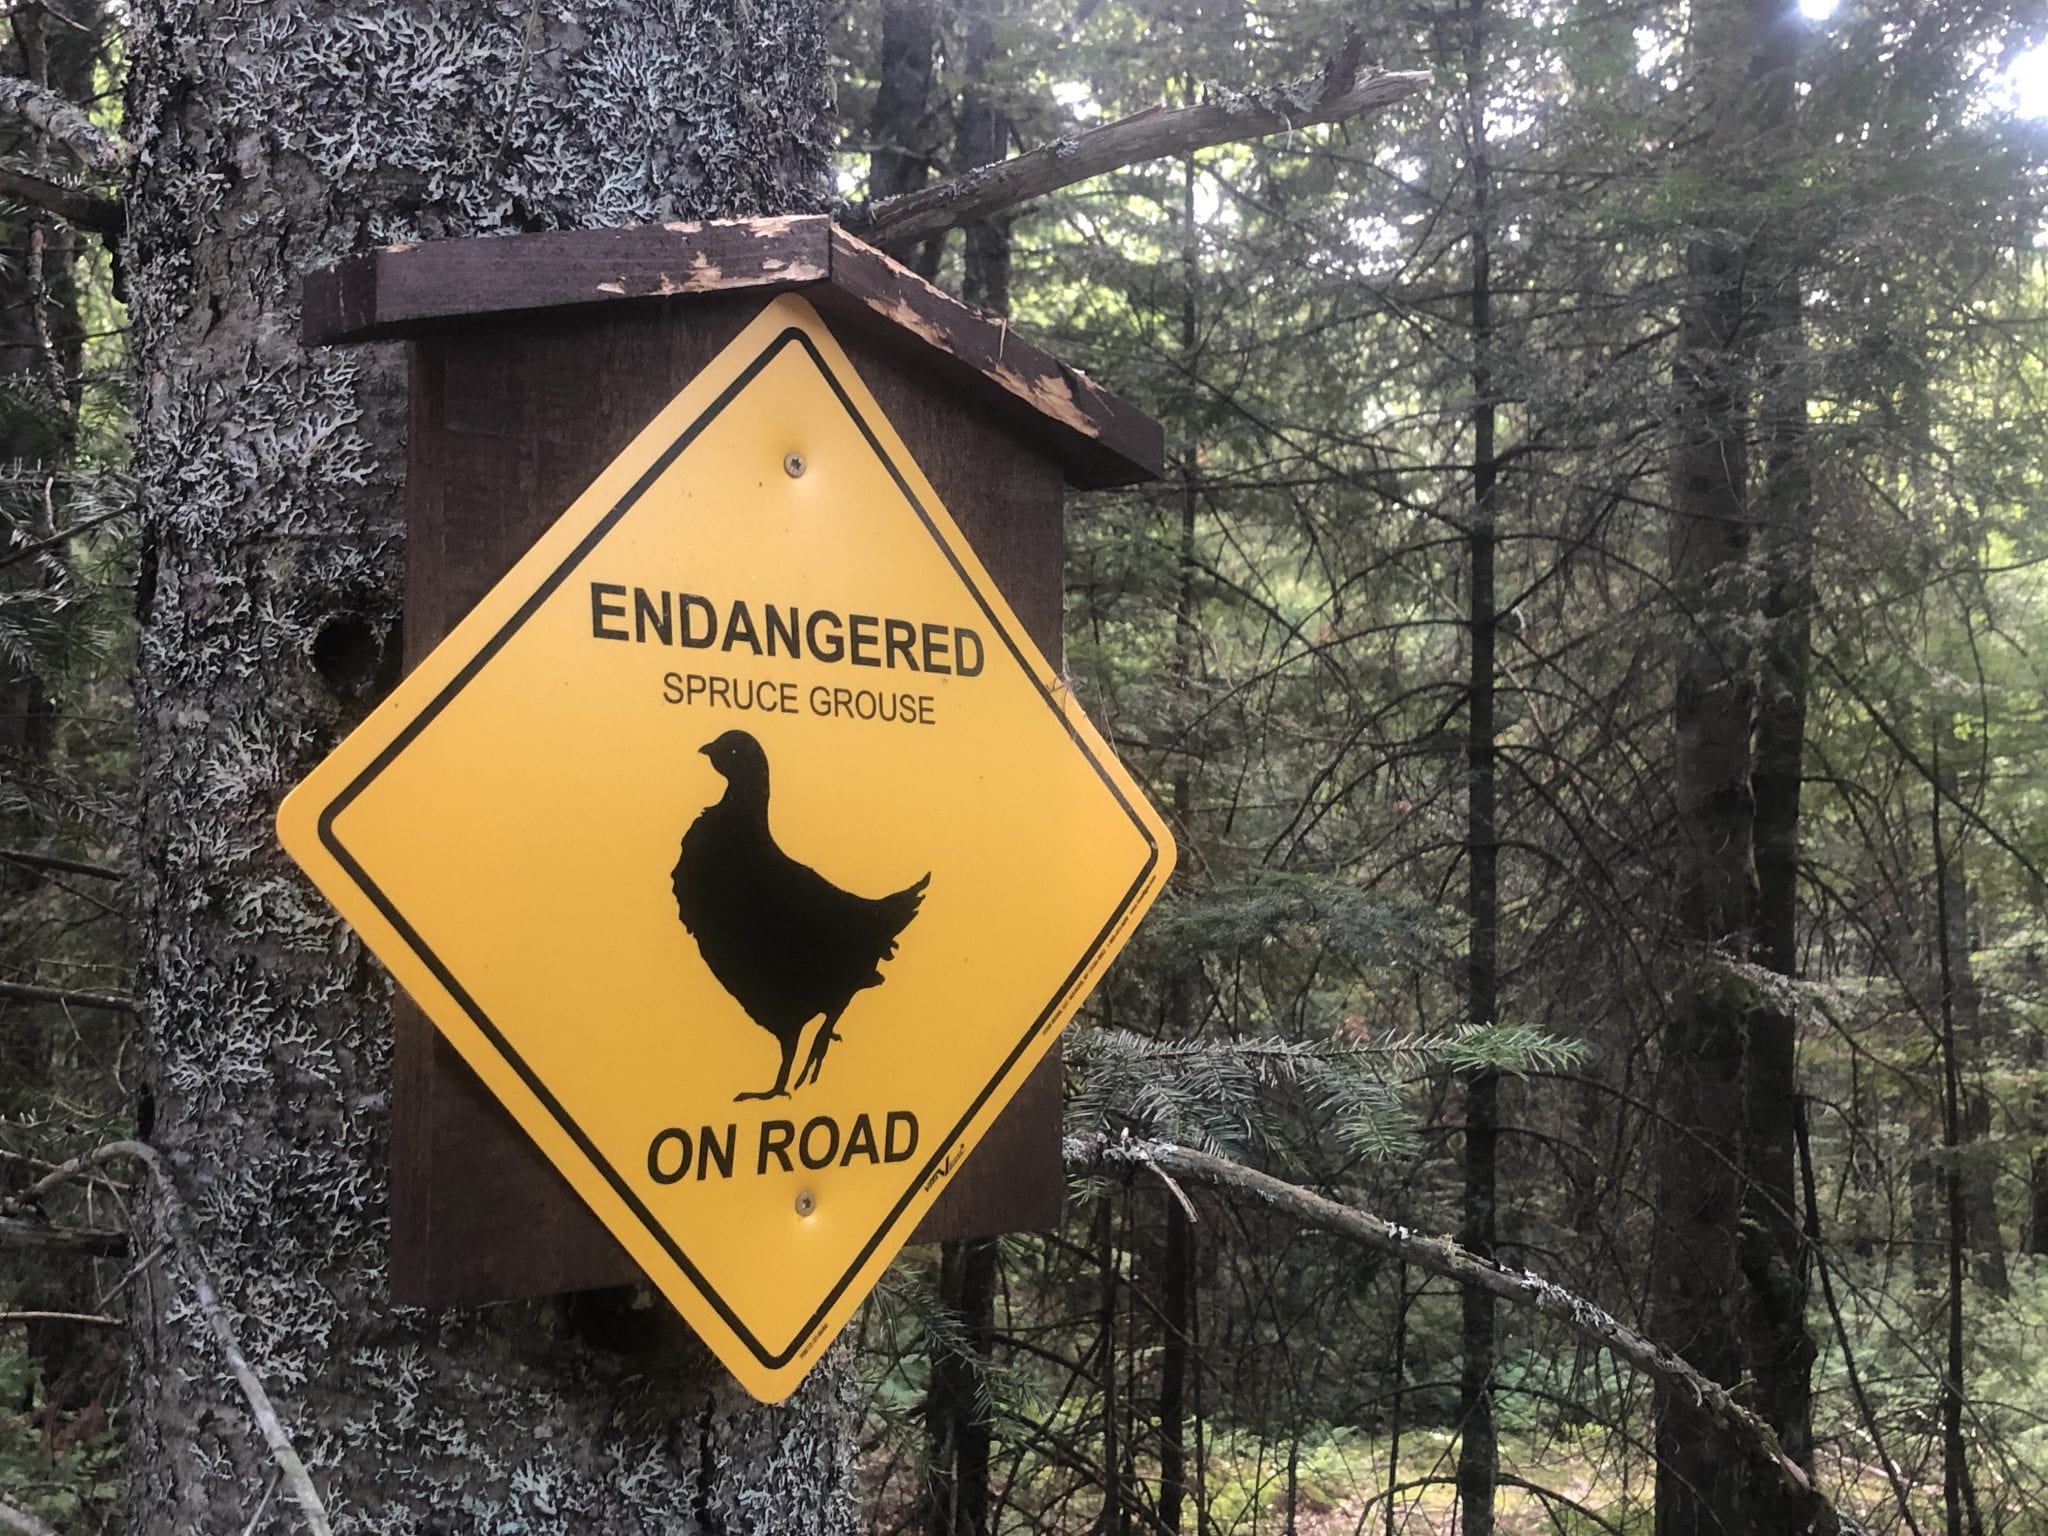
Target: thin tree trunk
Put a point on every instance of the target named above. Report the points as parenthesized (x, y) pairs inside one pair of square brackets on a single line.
[(1478, 1444), (957, 1424), (2037, 1205), (2036, 1051), (1395, 1414), (1959, 1508), (1176, 1308), (1980, 1166), (959, 1445), (1925, 1215), (1176, 1281), (1979, 1169), (1115, 1519), (269, 479)]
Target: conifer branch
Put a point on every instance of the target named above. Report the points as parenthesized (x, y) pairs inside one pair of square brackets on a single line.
[(1445, 1258), (1340, 90), (84, 210)]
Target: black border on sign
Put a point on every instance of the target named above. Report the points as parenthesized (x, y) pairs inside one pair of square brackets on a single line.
[(772, 1360)]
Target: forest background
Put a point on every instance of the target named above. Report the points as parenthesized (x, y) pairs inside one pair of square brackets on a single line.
[(1589, 642)]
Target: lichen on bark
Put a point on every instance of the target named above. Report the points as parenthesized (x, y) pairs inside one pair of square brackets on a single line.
[(272, 137)]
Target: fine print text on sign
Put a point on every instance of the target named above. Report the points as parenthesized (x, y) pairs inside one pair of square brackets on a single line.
[(744, 846)]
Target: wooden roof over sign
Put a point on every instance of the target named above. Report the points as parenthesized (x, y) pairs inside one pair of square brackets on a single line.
[(398, 291)]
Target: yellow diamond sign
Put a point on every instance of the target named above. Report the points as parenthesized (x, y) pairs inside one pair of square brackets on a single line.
[(745, 847)]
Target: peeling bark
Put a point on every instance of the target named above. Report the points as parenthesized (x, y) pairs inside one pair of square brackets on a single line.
[(270, 141)]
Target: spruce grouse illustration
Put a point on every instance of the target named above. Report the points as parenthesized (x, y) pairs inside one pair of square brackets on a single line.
[(782, 939)]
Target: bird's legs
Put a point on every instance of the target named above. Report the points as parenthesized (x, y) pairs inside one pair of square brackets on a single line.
[(819, 1043), (781, 1088)]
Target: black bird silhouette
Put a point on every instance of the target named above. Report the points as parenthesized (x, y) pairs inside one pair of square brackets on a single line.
[(786, 942)]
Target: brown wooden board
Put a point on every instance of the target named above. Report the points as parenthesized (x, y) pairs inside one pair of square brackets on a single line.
[(510, 420), (413, 290)]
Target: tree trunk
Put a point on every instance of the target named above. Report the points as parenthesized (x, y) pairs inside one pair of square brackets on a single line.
[(957, 1425), (1727, 1270), (1964, 1001), (1774, 1250), (1925, 1212), (960, 1439), (899, 129), (1959, 1504), (2034, 1052), (269, 594), (1478, 1442), (2037, 1205), (984, 138)]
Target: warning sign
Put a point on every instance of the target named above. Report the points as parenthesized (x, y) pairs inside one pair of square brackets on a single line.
[(744, 846)]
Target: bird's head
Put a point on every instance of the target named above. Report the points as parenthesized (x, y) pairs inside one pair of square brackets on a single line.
[(740, 759)]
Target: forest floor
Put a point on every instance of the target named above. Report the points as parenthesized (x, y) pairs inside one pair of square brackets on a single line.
[(1339, 1488)]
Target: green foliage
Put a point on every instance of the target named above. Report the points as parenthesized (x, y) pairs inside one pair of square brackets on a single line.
[(1218, 1095), (63, 1469)]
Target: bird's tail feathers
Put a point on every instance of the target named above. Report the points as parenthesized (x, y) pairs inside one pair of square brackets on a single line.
[(899, 909)]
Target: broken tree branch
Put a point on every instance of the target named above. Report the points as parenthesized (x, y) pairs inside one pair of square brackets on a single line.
[(28, 992), (60, 866), (67, 123), (1340, 90), (74, 205), (185, 1248), (1441, 1256), (17, 1232)]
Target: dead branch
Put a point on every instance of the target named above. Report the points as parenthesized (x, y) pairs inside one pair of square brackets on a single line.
[(1443, 1257), (18, 1232), (61, 536), (95, 1319), (74, 205), (67, 123), (185, 1248), (60, 866), (106, 1002), (1340, 90), (21, 1520)]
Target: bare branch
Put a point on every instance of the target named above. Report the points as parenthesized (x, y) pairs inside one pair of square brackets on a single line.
[(105, 1002), (96, 149), (1340, 90), (171, 1213), (17, 1232), (1441, 1256), (74, 205), (29, 860), (96, 1319)]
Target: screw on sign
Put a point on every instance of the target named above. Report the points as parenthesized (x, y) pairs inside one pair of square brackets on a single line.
[(817, 852)]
